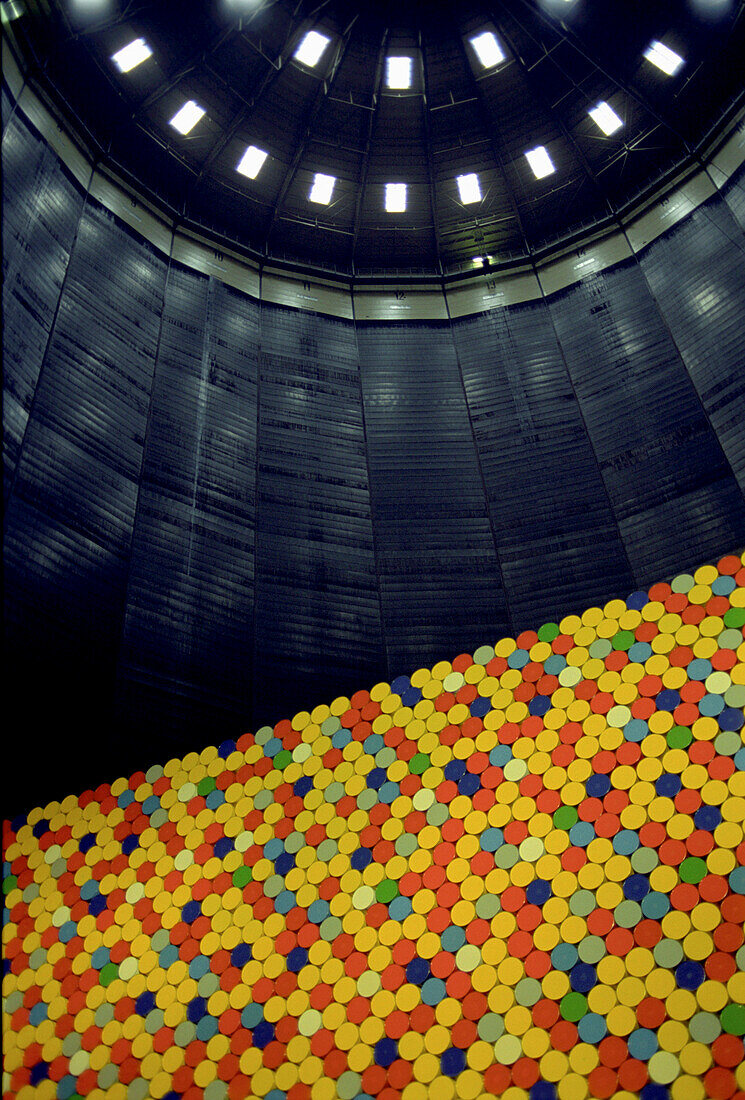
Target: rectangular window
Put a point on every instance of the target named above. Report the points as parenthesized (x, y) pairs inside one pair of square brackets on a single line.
[(187, 118), (395, 197), (540, 162), (488, 50), (606, 118), (311, 48), (468, 187), (251, 162), (132, 55), (322, 189), (398, 72), (663, 57)]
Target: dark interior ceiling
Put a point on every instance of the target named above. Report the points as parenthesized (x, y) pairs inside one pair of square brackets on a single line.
[(235, 58)]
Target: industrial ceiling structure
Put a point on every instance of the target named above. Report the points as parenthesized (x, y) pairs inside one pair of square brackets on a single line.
[(303, 112)]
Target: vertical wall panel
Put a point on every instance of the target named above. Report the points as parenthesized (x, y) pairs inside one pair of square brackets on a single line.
[(7, 107), (556, 535), (41, 208), (317, 607), (696, 274), (69, 519), (672, 490), (185, 662), (734, 196), (440, 582)]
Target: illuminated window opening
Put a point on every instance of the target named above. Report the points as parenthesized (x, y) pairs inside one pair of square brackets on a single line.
[(469, 187), (540, 162), (251, 162), (322, 189), (311, 49), (395, 198), (606, 118), (488, 49), (128, 57), (187, 117), (398, 72), (663, 57)]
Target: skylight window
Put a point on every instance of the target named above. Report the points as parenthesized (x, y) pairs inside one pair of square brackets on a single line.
[(311, 48), (251, 162), (540, 162), (132, 55), (606, 118), (398, 72), (186, 119), (395, 197), (469, 187), (488, 50), (322, 189), (663, 57)]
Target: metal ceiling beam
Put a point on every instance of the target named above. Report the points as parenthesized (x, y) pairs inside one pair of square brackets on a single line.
[(270, 76), (168, 85), (574, 40), (74, 34), (430, 163), (275, 63), (489, 129), (555, 117), (320, 97), (368, 144)]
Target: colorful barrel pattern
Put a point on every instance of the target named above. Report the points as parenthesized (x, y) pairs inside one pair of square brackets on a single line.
[(517, 874)]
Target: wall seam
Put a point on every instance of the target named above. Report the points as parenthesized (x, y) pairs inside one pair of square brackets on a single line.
[(257, 499), (50, 337), (14, 99), (376, 556), (668, 330), (565, 361), (489, 516), (145, 444)]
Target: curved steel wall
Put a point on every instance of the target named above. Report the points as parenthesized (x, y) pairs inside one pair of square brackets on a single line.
[(220, 510)]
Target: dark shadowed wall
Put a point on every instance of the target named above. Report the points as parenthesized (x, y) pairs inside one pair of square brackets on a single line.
[(219, 512)]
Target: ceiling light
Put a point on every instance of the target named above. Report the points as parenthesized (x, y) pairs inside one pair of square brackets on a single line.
[(540, 162), (398, 74), (310, 49), (251, 162), (663, 57), (322, 189), (132, 55), (187, 118), (395, 197), (488, 50), (606, 118), (468, 187)]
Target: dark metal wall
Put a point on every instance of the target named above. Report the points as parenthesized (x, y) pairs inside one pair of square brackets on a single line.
[(734, 195), (187, 640), (663, 468), (41, 211), (697, 275), (439, 576), (317, 624), (556, 536), (219, 512)]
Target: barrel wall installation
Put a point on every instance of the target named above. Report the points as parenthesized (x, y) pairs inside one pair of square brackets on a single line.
[(519, 873)]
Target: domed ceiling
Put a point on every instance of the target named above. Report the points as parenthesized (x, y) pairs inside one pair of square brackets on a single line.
[(487, 83)]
